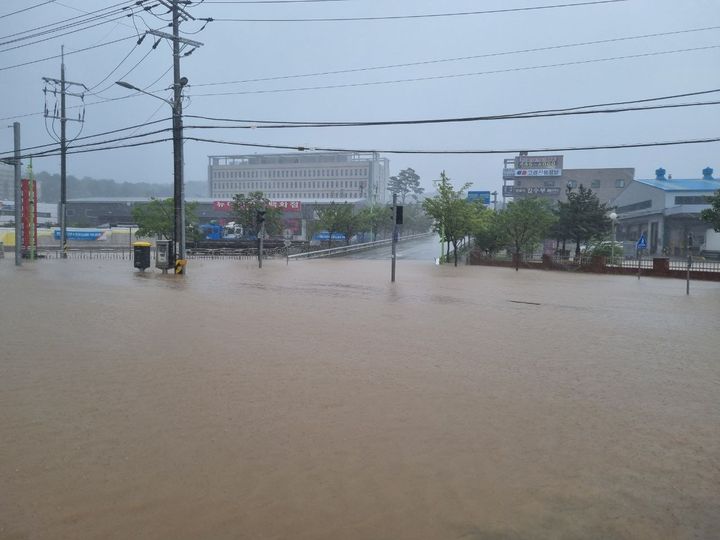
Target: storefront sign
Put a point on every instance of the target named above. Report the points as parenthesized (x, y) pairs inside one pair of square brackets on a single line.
[(538, 166)]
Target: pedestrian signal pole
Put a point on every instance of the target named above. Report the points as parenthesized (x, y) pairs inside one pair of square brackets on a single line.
[(261, 234)]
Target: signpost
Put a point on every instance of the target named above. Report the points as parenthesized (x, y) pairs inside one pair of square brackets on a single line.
[(640, 246), (483, 196)]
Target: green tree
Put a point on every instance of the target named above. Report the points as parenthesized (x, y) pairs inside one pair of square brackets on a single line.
[(712, 215), (415, 220), (407, 181), (584, 217), (337, 218), (245, 208), (156, 218), (453, 216), (375, 219), (490, 236), (525, 223)]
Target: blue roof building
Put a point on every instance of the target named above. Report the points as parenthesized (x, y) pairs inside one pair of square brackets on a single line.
[(666, 210)]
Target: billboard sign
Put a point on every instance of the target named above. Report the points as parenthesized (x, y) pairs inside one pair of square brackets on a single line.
[(81, 234), (285, 206), (538, 166), (512, 191), (483, 196)]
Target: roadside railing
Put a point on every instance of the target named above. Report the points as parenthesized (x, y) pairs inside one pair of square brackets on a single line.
[(352, 247)]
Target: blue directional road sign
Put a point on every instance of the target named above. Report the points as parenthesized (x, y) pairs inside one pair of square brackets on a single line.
[(483, 196), (642, 243)]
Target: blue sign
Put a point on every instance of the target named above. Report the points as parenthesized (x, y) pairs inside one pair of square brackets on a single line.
[(483, 196), (324, 235), (642, 243), (86, 234)]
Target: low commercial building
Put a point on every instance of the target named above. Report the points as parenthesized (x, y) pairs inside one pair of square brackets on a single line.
[(545, 176), (117, 211), (666, 210), (311, 176)]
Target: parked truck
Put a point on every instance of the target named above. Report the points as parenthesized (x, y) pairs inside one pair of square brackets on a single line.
[(710, 247)]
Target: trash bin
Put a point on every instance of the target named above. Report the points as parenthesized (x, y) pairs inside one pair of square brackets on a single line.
[(141, 255)]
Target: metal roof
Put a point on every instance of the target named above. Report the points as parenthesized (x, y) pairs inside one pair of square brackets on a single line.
[(678, 184)]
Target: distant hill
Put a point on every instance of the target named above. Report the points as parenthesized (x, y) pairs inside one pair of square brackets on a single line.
[(90, 187)]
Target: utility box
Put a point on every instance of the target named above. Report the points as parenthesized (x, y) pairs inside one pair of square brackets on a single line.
[(141, 255), (163, 255)]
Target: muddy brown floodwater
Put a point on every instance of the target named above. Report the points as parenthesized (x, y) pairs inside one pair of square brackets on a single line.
[(317, 401)]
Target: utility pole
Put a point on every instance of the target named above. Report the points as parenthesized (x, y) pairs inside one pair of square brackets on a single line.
[(179, 82), (394, 238), (178, 190), (18, 198), (63, 84)]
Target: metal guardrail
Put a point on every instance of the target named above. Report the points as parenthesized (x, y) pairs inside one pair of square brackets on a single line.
[(353, 247)]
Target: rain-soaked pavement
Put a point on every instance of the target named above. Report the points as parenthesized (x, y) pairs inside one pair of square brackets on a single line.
[(317, 401)]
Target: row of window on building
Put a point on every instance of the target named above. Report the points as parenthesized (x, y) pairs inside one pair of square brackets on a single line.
[(294, 196), (595, 184), (291, 173), (307, 184)]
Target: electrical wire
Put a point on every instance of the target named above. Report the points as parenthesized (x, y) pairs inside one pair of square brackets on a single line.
[(524, 114), (427, 15), (460, 58), (83, 151), (78, 20), (461, 152), (26, 9), (67, 53), (132, 50), (458, 120), (122, 77), (94, 135), (456, 75)]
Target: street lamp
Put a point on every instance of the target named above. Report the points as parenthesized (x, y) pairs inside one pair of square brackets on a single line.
[(178, 164), (613, 217)]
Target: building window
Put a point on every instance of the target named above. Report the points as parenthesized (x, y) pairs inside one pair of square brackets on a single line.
[(619, 183), (549, 183), (692, 199), (518, 183), (572, 184), (595, 184)]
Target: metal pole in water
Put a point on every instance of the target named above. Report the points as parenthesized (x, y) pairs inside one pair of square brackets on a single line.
[(18, 198), (394, 238)]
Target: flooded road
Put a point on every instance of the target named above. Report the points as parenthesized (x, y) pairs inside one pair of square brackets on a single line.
[(317, 401)]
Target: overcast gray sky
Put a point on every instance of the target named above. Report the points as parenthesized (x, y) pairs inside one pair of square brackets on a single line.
[(249, 50)]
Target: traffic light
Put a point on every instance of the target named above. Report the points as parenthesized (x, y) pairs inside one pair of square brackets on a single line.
[(260, 217), (398, 215)]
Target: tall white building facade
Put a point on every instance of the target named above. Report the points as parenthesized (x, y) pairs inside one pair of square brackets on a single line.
[(312, 176)]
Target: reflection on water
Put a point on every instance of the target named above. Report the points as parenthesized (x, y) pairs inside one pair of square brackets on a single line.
[(317, 400)]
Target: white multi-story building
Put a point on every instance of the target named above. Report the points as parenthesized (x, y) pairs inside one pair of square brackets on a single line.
[(7, 181), (312, 176)]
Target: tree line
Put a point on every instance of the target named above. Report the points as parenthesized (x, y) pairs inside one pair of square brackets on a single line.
[(521, 225)]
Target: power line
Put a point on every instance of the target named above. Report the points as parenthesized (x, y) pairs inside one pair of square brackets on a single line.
[(26, 9), (67, 53), (79, 20), (270, 2), (74, 31), (456, 75), (456, 120), (102, 134), (464, 118), (459, 58), (99, 102), (427, 15), (115, 147), (460, 152)]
